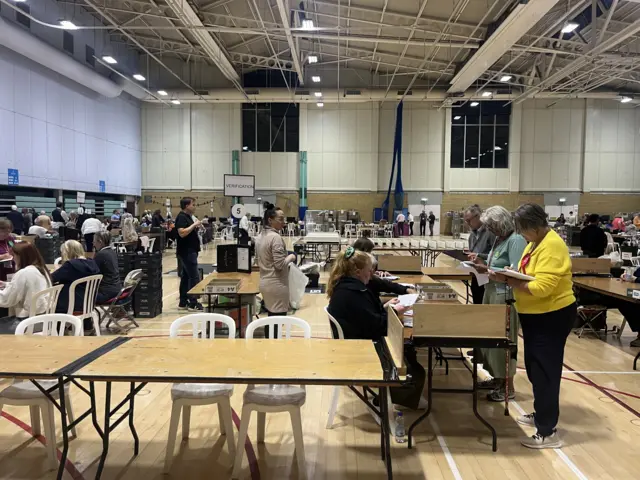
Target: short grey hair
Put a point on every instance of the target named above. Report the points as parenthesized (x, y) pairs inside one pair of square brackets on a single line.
[(530, 216), (474, 210), (103, 237), (498, 220)]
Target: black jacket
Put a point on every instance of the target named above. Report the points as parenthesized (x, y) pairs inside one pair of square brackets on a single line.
[(358, 310), (157, 221), (17, 220), (107, 261), (379, 285), (593, 241), (69, 272)]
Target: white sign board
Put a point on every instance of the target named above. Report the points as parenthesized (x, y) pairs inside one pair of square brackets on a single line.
[(80, 197), (238, 211), (239, 185)]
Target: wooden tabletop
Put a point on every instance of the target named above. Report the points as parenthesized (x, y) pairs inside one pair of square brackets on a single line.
[(612, 287), (413, 279), (297, 361), (249, 282), (446, 273), (35, 356)]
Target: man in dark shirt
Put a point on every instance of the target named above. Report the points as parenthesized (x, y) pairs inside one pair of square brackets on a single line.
[(593, 240), (107, 260), (187, 252), (423, 223), (480, 243), (16, 219), (432, 221)]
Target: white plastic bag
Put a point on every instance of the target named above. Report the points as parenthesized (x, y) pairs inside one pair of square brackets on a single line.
[(297, 284)]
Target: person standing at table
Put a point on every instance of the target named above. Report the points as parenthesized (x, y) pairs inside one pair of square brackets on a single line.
[(593, 240), (505, 253), (572, 219), (59, 216), (400, 221), (547, 310), (188, 247), (244, 230), (432, 221), (410, 220), (273, 260), (16, 220), (90, 227), (423, 223), (480, 242)]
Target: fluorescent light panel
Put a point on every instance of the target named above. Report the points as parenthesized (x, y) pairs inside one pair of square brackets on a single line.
[(457, 117), (486, 93), (625, 99), (570, 27), (317, 94), (109, 59), (315, 78), (162, 92), (313, 59), (307, 24), (320, 104), (175, 102), (67, 25), (139, 77), (506, 78), (474, 104)]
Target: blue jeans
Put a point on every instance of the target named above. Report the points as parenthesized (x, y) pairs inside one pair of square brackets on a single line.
[(189, 277)]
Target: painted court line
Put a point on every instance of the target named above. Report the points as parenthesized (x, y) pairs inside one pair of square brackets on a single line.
[(445, 449), (572, 466)]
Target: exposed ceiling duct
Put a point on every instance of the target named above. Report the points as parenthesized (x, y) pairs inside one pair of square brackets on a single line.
[(521, 19), (21, 41)]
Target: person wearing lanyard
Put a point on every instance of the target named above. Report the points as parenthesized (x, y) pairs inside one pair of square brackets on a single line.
[(547, 310), (506, 252), (480, 241)]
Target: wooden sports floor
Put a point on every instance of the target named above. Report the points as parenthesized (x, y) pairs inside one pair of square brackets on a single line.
[(600, 424)]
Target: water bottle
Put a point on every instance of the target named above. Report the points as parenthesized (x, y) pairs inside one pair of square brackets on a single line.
[(400, 437)]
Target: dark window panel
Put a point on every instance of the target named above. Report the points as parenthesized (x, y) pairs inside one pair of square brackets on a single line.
[(278, 128), (486, 147), (502, 141), (472, 139), (263, 126), (292, 140), (67, 42), (457, 147), (89, 53), (457, 118), (248, 128), (503, 119)]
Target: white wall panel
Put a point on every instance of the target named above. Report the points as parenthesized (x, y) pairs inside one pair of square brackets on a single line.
[(56, 133)]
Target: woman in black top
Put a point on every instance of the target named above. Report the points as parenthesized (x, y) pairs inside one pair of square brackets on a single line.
[(361, 315), (156, 219), (107, 260)]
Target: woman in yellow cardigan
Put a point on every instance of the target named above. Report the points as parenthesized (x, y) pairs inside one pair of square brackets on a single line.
[(547, 310)]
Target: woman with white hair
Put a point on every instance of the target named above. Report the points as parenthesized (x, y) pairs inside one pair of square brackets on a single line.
[(506, 252)]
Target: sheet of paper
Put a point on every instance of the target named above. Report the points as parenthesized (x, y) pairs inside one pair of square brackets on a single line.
[(408, 322), (514, 274), (481, 278), (408, 285), (408, 300)]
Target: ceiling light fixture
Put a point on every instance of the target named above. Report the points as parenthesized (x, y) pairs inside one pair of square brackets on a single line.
[(313, 59), (497, 147), (474, 104), (625, 99), (175, 102), (139, 77), (506, 78), (162, 92), (315, 78), (307, 24), (245, 148), (109, 59), (67, 25), (457, 117), (570, 27), (487, 93), (320, 104), (317, 94)]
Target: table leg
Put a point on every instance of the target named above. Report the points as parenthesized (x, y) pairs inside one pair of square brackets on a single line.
[(105, 436), (65, 433), (429, 397), (386, 431), (475, 403), (635, 361), (466, 283), (136, 440)]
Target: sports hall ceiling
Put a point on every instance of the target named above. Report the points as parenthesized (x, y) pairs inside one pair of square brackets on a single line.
[(450, 45)]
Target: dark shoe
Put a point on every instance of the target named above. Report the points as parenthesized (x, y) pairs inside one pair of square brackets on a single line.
[(487, 384), (182, 307), (498, 395), (196, 307)]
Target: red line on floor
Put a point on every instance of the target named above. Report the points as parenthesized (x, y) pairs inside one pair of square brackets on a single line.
[(69, 466), (248, 447)]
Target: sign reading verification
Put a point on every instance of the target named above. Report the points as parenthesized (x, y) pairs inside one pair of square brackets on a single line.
[(239, 185)]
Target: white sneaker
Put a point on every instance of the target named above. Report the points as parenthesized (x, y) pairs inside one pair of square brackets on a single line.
[(528, 420), (538, 441)]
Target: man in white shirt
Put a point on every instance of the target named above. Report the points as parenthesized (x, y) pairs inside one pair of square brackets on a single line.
[(572, 220), (90, 227), (410, 220), (400, 221), (244, 231)]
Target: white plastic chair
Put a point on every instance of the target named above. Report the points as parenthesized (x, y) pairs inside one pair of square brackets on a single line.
[(57, 261), (92, 283), (51, 295), (26, 394), (273, 398), (186, 395), (291, 229), (333, 406)]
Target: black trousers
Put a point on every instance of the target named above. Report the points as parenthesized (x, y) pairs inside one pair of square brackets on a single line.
[(411, 228), (88, 240), (477, 291), (423, 229), (400, 229), (545, 336), (409, 396)]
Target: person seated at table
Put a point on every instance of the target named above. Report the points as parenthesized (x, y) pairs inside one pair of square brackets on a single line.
[(506, 252), (618, 224), (377, 284), (30, 278), (362, 316), (90, 227), (74, 267), (107, 260), (42, 226), (129, 234), (7, 240), (593, 240), (156, 219)]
